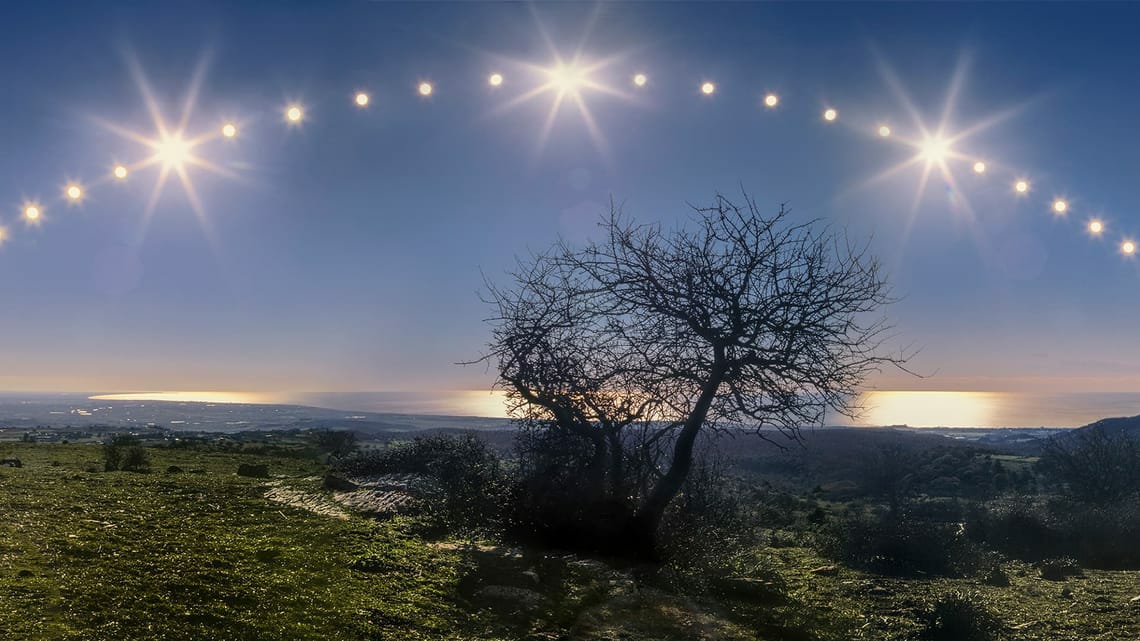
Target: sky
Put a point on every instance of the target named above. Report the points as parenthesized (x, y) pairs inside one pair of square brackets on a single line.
[(345, 253)]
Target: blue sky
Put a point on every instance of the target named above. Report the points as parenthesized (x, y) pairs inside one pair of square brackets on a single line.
[(347, 252)]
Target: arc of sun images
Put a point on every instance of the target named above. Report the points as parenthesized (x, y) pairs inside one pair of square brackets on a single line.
[(171, 148)]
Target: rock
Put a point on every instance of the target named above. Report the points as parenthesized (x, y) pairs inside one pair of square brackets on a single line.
[(878, 590), (24, 574), (826, 570), (532, 577), (334, 482), (509, 599), (1066, 593), (254, 471), (1059, 569), (996, 578), (11, 462), (267, 555), (173, 469)]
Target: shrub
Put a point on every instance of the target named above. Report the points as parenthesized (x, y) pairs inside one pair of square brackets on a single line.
[(960, 616), (903, 546), (469, 477), (1059, 569), (125, 453), (1094, 464)]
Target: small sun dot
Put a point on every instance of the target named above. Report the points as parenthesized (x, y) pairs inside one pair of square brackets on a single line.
[(32, 213), (426, 89), (979, 167), (119, 172), (495, 80), (708, 88), (229, 130), (74, 192), (1095, 226), (884, 131), (361, 99), (294, 114), (830, 115), (640, 80), (1128, 247), (1021, 186), (1060, 206), (771, 100)]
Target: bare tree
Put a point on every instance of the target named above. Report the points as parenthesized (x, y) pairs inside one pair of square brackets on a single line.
[(737, 321)]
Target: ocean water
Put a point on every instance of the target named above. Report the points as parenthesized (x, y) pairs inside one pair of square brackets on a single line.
[(916, 409)]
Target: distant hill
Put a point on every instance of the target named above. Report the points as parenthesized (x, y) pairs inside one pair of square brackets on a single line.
[(1129, 425)]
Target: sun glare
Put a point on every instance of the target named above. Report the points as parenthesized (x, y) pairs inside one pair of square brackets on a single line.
[(708, 88), (979, 167), (935, 149), (830, 115), (73, 192), (120, 172), (229, 130), (426, 89), (1096, 227), (1021, 186), (1060, 206), (771, 100), (1128, 247), (361, 99), (186, 397), (930, 409), (640, 79), (495, 80), (294, 114), (567, 78), (172, 151), (884, 131)]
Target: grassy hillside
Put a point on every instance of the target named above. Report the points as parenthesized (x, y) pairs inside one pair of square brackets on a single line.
[(202, 554)]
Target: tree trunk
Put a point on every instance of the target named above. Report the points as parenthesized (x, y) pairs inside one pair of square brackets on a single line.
[(648, 519)]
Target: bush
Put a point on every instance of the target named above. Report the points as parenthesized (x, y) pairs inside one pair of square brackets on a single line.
[(1096, 536), (125, 453), (960, 616), (1094, 464), (468, 476), (901, 545), (1059, 569)]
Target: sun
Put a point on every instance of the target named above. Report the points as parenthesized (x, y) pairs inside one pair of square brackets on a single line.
[(173, 152)]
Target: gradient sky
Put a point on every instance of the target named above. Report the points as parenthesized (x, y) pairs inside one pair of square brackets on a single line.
[(347, 251)]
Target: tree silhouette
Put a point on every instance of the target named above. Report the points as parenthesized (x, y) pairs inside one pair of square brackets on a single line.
[(736, 321)]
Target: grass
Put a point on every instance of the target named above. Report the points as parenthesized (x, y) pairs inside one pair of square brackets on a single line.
[(93, 555)]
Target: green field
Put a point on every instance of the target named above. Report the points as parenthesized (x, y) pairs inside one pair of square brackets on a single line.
[(201, 554)]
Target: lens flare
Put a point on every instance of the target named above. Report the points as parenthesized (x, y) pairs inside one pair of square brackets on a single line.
[(1060, 206), (935, 149), (1021, 186), (1128, 247), (120, 172), (229, 130), (172, 151), (979, 167), (771, 100), (567, 78), (294, 114), (708, 88), (73, 192), (426, 89), (830, 115), (884, 131), (496, 80), (1096, 227), (361, 99), (640, 79), (3, 235)]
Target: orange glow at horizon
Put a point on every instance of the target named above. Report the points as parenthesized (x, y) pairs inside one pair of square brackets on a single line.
[(929, 409)]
